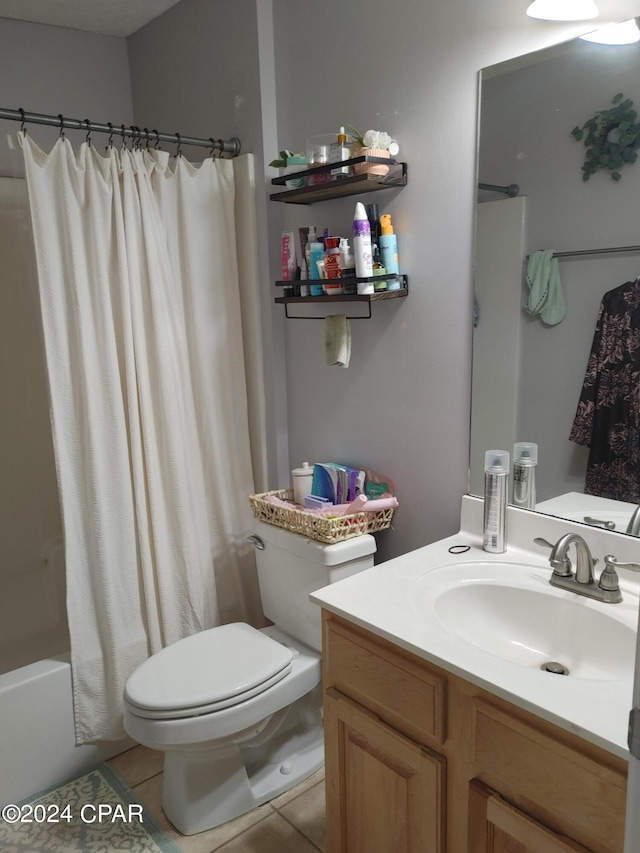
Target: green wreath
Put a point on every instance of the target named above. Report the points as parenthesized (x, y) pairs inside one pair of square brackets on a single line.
[(611, 138)]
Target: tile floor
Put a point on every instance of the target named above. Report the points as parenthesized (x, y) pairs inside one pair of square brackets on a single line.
[(293, 821)]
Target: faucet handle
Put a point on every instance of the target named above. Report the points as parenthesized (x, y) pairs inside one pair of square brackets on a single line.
[(609, 581), (561, 568), (600, 522), (611, 561)]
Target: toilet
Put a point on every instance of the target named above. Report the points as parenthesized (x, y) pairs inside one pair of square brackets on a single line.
[(238, 710)]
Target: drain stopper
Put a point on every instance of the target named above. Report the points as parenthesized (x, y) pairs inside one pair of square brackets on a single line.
[(555, 667)]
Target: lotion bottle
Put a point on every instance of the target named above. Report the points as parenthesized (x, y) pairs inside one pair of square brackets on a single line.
[(496, 482), (525, 459), (362, 248), (347, 267), (388, 244), (316, 254)]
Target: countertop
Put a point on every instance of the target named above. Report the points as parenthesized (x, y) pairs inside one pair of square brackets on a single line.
[(383, 600)]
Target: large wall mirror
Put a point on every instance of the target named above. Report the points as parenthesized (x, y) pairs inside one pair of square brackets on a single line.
[(528, 375)]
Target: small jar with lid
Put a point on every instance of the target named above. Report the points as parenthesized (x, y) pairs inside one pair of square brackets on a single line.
[(301, 482)]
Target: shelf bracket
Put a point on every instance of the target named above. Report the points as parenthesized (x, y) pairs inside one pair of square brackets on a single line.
[(302, 317)]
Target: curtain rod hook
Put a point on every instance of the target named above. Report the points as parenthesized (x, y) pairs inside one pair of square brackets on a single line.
[(23, 129), (124, 136), (61, 117), (87, 138), (110, 140), (179, 148), (157, 142)]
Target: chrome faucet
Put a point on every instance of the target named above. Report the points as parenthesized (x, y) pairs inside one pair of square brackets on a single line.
[(583, 582), (634, 523)]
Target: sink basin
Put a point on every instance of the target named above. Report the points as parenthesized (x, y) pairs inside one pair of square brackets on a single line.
[(510, 610)]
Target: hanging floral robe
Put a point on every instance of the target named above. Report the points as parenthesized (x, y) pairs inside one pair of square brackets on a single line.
[(608, 416)]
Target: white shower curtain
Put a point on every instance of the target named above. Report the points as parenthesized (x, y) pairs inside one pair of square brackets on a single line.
[(140, 300)]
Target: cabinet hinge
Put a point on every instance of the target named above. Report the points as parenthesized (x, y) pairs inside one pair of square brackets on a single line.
[(633, 737)]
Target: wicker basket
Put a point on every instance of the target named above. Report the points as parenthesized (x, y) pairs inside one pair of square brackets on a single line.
[(321, 528)]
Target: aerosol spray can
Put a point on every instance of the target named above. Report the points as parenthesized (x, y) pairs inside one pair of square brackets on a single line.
[(362, 248), (525, 459), (496, 484)]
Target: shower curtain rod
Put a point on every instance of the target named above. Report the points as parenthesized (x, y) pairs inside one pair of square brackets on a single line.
[(225, 146), (512, 190), (613, 250)]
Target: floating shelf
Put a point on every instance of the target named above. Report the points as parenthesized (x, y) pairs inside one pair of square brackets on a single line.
[(339, 187), (367, 298)]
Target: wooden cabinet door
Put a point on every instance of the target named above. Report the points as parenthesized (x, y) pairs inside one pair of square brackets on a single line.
[(384, 791), (495, 826)]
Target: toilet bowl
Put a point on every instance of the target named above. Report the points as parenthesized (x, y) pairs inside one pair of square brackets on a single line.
[(235, 709)]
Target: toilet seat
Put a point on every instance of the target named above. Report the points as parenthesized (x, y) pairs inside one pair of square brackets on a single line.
[(206, 672)]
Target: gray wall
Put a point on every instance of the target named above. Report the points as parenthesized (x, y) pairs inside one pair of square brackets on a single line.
[(55, 70), (402, 407), (208, 67)]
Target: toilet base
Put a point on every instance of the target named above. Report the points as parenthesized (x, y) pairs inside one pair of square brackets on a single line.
[(203, 789)]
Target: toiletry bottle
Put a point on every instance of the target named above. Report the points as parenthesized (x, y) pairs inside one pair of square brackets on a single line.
[(362, 248), (316, 254), (374, 222), (496, 482), (339, 151), (331, 257), (388, 244), (525, 459), (288, 256), (389, 251), (311, 238), (303, 233), (347, 267), (378, 270)]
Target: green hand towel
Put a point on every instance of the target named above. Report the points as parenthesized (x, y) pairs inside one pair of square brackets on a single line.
[(545, 288), (338, 339)]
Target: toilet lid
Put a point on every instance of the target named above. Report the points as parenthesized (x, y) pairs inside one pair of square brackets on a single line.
[(207, 671)]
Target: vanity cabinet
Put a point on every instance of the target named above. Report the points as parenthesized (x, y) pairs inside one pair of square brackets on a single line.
[(495, 826), (418, 759), (392, 787)]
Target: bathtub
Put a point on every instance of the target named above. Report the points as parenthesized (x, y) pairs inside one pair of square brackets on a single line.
[(37, 739)]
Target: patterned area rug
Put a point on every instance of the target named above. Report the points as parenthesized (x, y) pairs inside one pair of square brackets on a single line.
[(95, 813)]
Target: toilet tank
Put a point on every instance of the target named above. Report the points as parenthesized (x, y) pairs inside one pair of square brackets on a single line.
[(290, 566)]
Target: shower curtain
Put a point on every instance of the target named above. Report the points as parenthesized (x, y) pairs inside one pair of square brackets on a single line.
[(141, 308)]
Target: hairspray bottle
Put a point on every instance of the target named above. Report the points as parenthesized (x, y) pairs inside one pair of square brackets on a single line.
[(525, 459), (496, 483), (362, 248)]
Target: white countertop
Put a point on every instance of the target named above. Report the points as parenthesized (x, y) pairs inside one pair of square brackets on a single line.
[(383, 601)]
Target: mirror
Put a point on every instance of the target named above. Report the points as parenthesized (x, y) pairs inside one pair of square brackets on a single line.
[(528, 375)]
